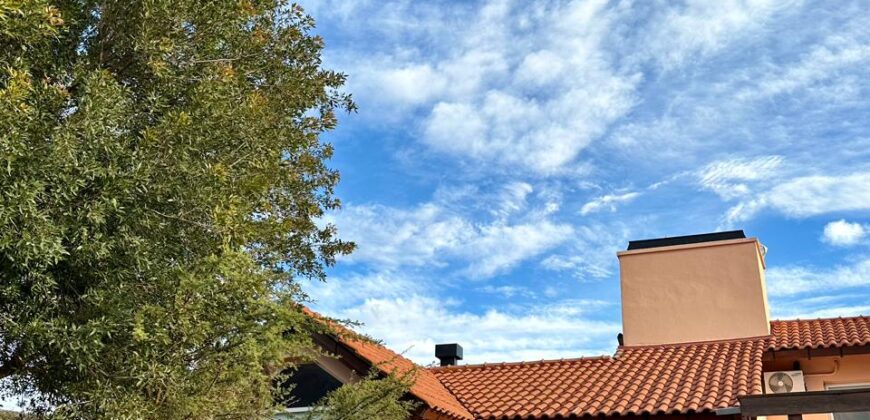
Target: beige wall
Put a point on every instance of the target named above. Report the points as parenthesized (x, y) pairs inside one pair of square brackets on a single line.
[(696, 292), (821, 372)]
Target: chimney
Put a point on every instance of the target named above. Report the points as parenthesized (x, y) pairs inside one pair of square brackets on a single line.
[(693, 288), (449, 354)]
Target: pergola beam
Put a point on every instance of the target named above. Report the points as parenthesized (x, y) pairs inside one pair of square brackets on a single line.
[(797, 403)]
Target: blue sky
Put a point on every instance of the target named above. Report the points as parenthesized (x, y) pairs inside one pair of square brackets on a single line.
[(505, 151)]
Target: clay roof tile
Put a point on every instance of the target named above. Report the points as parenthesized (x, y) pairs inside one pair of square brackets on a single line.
[(820, 333), (666, 379)]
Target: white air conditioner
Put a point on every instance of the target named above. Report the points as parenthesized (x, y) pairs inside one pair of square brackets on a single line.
[(784, 382)]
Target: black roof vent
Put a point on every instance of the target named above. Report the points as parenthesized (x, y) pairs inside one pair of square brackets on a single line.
[(684, 240), (449, 354)]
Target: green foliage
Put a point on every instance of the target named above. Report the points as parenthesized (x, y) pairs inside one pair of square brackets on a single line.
[(161, 176), (11, 415), (373, 397)]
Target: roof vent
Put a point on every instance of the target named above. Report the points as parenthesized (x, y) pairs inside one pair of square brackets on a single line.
[(449, 354)]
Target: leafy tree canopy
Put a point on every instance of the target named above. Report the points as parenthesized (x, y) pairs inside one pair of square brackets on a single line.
[(376, 396), (161, 178)]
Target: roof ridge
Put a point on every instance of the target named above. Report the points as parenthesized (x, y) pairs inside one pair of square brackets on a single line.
[(519, 363), (821, 319)]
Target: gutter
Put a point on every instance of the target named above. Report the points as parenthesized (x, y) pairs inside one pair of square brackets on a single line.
[(728, 411)]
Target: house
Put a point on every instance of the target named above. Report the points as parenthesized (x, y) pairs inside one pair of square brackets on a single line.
[(697, 343)]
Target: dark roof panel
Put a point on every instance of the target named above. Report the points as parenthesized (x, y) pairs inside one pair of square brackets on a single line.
[(684, 240)]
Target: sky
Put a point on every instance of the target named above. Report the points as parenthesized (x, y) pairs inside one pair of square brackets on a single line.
[(505, 151)]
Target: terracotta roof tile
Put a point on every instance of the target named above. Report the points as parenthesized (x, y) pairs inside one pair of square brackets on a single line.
[(653, 379), (820, 333), (679, 378), (426, 386)]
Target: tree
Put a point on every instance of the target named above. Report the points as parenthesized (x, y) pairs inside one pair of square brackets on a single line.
[(374, 397), (161, 182)]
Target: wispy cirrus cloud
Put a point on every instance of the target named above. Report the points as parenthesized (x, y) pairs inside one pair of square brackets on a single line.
[(552, 330), (590, 255), (823, 62), (546, 119), (799, 279), (532, 86), (808, 196), (729, 178), (437, 233), (608, 201)]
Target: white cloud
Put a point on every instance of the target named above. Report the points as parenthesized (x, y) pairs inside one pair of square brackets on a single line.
[(530, 86), (525, 87), (416, 323), (389, 236), (699, 28), (816, 305), (497, 248), (436, 233), (823, 62), (831, 312), (507, 291), (345, 290), (843, 233), (609, 201), (809, 196), (513, 199), (512, 129), (728, 178), (411, 85), (794, 280), (528, 90), (591, 253)]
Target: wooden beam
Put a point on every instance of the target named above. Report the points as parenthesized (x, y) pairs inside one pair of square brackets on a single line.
[(789, 354), (832, 401), (345, 354)]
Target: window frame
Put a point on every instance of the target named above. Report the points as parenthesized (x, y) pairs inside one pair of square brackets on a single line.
[(852, 385)]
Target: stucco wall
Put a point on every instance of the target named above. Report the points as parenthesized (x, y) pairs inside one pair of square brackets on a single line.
[(696, 292), (821, 372)]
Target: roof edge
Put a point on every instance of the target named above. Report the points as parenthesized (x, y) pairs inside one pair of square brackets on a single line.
[(696, 343), (688, 246)]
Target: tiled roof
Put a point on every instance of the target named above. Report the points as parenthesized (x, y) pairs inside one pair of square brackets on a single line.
[(426, 386), (666, 379), (682, 378), (820, 333)]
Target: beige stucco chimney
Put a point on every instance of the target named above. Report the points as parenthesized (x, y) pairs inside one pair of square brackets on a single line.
[(693, 288)]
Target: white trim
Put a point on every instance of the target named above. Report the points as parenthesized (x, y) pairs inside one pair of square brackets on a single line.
[(297, 410), (706, 244), (856, 385)]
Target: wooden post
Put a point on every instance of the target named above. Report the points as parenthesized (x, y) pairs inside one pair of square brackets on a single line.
[(795, 417)]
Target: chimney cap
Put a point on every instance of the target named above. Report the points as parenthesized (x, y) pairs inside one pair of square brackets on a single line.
[(449, 354), (685, 240)]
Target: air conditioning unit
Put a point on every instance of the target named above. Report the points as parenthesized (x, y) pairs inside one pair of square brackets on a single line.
[(784, 382)]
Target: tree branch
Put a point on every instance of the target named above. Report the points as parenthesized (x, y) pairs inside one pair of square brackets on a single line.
[(12, 365)]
